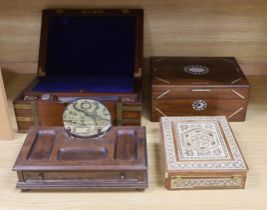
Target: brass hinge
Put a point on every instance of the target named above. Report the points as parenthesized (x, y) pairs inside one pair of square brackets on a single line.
[(41, 72), (125, 11), (60, 11), (138, 73), (94, 11)]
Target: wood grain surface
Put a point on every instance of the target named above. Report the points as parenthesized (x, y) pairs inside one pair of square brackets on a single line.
[(6, 130), (251, 136), (172, 27)]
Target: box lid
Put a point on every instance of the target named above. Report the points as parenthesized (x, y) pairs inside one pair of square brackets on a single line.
[(200, 144), (91, 42), (194, 71)]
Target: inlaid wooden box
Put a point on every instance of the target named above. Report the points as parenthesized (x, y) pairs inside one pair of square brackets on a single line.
[(201, 153), (87, 53), (198, 86), (50, 159)]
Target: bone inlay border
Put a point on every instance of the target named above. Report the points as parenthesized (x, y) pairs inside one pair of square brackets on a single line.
[(160, 59), (237, 163), (236, 112), (162, 80), (241, 96), (237, 80), (161, 112), (163, 94)]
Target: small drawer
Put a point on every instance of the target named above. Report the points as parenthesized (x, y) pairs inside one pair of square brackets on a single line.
[(83, 175)]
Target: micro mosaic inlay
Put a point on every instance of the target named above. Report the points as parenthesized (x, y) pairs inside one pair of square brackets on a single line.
[(207, 183), (200, 143)]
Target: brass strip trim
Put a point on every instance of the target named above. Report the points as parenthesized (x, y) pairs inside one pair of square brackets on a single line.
[(241, 96), (162, 80), (22, 131), (24, 119), (235, 81), (22, 106), (35, 113), (161, 112), (119, 114), (131, 108), (236, 112), (131, 121), (163, 94)]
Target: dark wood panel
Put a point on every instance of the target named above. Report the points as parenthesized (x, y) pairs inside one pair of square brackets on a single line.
[(235, 110), (166, 93)]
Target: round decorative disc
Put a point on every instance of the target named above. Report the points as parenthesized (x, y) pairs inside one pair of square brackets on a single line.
[(199, 105), (86, 118), (196, 69)]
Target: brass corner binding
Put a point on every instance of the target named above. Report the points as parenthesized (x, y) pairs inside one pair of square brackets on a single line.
[(121, 108), (41, 72)]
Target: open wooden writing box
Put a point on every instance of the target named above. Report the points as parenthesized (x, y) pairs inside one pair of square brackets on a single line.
[(85, 53)]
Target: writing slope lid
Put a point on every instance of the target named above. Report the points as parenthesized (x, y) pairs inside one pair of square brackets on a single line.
[(204, 71), (200, 144), (91, 42)]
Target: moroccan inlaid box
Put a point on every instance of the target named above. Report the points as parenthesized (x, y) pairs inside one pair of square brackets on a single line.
[(198, 86), (51, 159), (201, 153), (86, 53)]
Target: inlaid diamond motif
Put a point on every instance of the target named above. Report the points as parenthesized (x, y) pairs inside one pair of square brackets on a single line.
[(200, 141)]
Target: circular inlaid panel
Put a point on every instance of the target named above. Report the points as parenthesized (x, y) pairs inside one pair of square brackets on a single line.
[(86, 118), (199, 105), (196, 69)]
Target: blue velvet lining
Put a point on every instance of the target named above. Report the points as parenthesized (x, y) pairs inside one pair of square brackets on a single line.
[(109, 84), (91, 45)]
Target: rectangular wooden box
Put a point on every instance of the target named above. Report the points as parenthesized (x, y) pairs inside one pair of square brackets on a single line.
[(89, 53), (201, 153), (50, 159), (198, 86)]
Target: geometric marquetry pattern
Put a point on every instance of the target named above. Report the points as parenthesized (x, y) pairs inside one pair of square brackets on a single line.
[(207, 183), (236, 163), (200, 141)]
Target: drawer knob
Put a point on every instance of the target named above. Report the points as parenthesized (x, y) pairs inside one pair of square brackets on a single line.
[(40, 176), (199, 105)]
